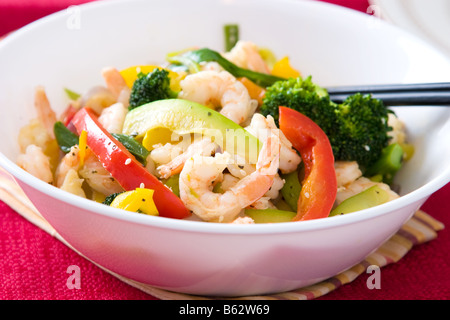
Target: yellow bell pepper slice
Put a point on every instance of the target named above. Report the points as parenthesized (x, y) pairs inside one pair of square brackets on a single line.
[(130, 75), (82, 145), (282, 68), (155, 136), (134, 200), (256, 92)]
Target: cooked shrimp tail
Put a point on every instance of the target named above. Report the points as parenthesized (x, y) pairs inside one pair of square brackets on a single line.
[(45, 112), (116, 84)]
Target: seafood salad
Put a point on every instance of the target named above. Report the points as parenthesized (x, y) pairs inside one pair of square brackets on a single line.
[(237, 136)]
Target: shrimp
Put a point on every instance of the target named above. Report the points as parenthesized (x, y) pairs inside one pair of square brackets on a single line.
[(34, 161), (239, 168), (219, 88), (230, 179), (97, 177), (164, 153), (204, 147), (262, 204), (245, 54), (114, 80), (260, 128), (116, 84), (346, 172), (359, 185), (274, 190), (70, 161), (91, 171), (200, 172), (113, 117), (350, 181), (45, 112)]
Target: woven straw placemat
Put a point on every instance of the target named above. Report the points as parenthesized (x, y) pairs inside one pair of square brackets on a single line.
[(419, 229)]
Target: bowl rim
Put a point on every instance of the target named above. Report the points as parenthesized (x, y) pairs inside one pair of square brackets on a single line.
[(416, 195)]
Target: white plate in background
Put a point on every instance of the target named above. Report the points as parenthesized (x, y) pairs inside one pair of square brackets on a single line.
[(429, 19)]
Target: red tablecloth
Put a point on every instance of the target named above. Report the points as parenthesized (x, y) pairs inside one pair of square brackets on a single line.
[(33, 264)]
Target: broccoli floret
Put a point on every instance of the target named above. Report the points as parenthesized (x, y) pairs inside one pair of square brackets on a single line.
[(302, 95), (109, 199), (363, 129), (150, 87), (357, 128)]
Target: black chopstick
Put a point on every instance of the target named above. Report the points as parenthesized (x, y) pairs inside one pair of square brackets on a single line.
[(398, 94)]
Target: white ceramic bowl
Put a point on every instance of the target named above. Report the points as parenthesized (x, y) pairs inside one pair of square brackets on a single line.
[(335, 45)]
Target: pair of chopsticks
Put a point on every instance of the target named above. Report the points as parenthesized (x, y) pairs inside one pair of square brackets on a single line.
[(398, 94)]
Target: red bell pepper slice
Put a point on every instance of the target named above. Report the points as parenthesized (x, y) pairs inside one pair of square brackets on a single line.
[(124, 167), (319, 185), (68, 114)]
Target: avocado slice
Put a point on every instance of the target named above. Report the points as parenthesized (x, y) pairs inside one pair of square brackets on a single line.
[(183, 117)]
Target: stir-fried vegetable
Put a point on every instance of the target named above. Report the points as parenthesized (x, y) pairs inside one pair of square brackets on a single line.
[(66, 139), (231, 33), (72, 94), (135, 148), (283, 69), (368, 198), (151, 87), (357, 129), (319, 185), (270, 215), (138, 200), (291, 189), (388, 164)]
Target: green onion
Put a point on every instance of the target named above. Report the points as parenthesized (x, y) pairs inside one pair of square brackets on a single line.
[(72, 94), (207, 55), (231, 32)]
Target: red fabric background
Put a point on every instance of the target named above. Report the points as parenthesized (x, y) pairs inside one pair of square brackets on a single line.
[(33, 265)]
